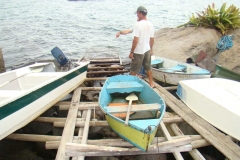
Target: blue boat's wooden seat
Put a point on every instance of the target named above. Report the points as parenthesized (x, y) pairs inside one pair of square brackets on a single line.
[(124, 87), (177, 68), (135, 108)]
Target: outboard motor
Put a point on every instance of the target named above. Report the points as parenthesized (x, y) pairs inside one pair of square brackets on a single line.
[(59, 56)]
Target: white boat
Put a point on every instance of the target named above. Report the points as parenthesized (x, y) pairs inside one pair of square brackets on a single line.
[(216, 100), (171, 71), (27, 92)]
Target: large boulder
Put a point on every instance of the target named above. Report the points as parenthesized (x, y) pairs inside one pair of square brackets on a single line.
[(182, 43)]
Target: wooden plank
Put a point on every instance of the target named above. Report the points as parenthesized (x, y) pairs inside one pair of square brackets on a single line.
[(132, 151), (196, 155), (81, 106), (210, 133), (85, 131), (105, 64), (69, 127), (135, 108), (91, 88), (118, 143), (96, 79), (120, 59), (60, 122), (122, 143), (107, 72), (54, 141), (110, 67), (63, 103), (96, 148), (103, 60), (170, 88), (177, 155)]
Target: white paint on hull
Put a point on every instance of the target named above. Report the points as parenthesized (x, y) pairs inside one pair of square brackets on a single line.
[(174, 77), (215, 100), (25, 115)]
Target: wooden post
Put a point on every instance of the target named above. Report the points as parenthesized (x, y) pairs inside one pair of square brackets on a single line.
[(69, 127), (2, 64)]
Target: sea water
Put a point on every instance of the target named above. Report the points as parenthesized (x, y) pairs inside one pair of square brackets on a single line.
[(29, 29)]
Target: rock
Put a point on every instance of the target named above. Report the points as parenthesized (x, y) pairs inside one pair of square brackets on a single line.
[(37, 128), (23, 155), (182, 43), (95, 133), (146, 157), (43, 152), (10, 147), (101, 158)]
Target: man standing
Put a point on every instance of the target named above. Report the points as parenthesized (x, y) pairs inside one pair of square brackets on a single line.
[(142, 44)]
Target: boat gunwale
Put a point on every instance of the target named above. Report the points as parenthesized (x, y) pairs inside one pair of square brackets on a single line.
[(182, 63), (122, 121), (4, 107), (183, 73), (35, 88)]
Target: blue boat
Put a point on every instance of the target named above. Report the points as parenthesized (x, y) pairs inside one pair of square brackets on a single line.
[(145, 114)]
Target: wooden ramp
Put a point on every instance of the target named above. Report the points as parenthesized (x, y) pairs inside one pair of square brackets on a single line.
[(81, 116)]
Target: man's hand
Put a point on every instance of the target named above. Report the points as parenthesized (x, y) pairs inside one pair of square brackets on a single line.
[(131, 56), (118, 34)]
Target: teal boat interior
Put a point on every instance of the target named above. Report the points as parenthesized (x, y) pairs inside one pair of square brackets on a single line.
[(146, 112), (171, 66)]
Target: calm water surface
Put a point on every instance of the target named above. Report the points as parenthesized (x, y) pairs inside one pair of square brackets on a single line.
[(29, 29)]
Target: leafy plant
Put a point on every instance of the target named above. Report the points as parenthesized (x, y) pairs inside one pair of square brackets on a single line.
[(223, 20)]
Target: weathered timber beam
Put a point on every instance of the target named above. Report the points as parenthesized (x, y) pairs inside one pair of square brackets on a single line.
[(96, 79), (107, 72)]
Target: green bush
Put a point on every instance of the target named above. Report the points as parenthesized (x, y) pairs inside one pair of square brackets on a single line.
[(223, 20)]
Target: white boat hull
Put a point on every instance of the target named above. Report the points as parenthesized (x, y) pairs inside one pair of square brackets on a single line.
[(174, 78), (166, 74), (23, 116), (215, 100)]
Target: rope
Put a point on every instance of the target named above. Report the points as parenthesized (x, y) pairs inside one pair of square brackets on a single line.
[(223, 44)]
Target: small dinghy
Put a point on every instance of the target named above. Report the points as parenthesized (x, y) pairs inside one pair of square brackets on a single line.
[(171, 71), (216, 100), (132, 108), (27, 92)]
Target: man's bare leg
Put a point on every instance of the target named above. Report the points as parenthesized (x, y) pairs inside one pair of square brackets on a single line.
[(149, 74), (133, 74)]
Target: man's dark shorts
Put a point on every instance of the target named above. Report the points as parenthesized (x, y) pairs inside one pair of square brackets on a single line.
[(139, 61)]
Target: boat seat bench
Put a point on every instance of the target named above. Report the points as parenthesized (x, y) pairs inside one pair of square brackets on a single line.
[(177, 68), (135, 108), (131, 86)]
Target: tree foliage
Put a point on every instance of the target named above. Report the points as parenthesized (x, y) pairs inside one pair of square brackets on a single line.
[(222, 19)]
